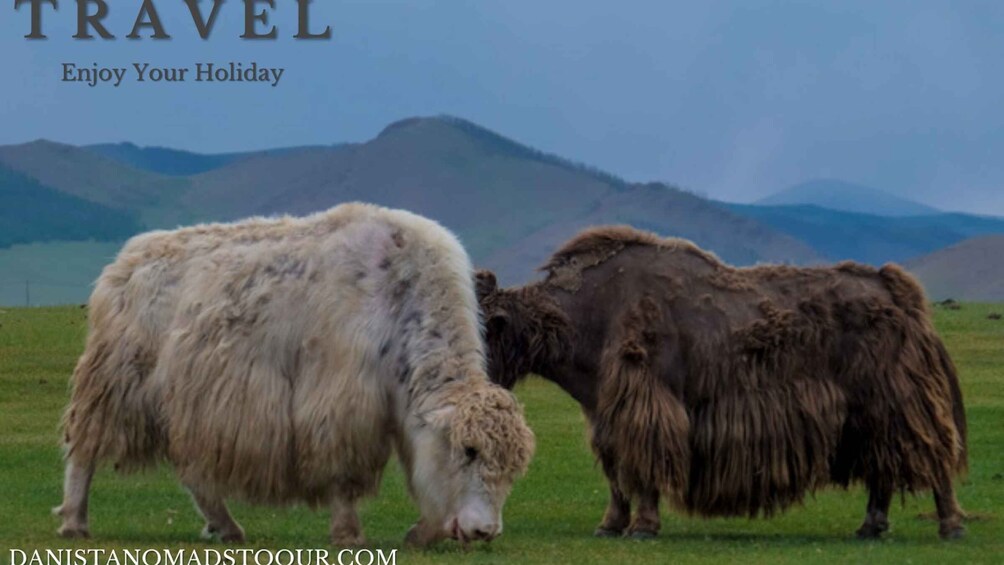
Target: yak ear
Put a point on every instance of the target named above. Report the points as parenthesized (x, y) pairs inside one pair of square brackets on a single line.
[(485, 283)]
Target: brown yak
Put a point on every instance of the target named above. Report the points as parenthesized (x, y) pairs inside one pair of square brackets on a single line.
[(735, 391)]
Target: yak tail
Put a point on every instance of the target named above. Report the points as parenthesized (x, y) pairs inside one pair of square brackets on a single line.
[(111, 415), (958, 409), (640, 429), (107, 417), (938, 422)]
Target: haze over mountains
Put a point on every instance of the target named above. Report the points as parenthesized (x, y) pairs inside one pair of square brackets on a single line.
[(510, 204), (846, 197), (870, 238)]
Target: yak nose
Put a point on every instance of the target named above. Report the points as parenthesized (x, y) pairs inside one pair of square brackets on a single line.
[(486, 532)]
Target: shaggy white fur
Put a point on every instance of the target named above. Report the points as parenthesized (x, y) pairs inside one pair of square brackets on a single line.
[(282, 360)]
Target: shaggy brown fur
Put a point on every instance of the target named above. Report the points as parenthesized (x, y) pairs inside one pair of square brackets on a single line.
[(736, 391)]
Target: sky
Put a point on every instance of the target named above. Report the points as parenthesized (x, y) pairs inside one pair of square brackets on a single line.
[(731, 100)]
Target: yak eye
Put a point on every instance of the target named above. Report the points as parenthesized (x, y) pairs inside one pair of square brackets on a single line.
[(470, 453)]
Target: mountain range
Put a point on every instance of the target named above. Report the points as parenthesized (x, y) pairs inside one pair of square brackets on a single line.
[(509, 203), (843, 196), (870, 238)]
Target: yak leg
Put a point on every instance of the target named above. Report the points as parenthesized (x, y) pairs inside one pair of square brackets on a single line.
[(877, 515), (346, 530), (219, 522), (618, 514), (950, 514), (617, 517), (76, 489), (646, 521)]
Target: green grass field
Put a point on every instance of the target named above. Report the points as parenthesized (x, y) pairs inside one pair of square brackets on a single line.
[(552, 512)]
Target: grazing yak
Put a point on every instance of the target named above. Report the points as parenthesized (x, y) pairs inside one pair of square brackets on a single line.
[(735, 391), (283, 360)]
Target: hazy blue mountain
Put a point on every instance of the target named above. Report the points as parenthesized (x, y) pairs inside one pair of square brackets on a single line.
[(152, 197), (174, 162), (31, 212), (666, 210), (494, 192), (870, 238), (161, 160), (848, 197)]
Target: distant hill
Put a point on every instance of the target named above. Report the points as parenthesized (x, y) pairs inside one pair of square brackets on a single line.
[(510, 204), (971, 270), (173, 162), (735, 238), (494, 192), (486, 190), (847, 197), (31, 212), (84, 174), (869, 238)]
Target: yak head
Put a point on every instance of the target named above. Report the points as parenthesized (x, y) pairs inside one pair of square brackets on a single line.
[(464, 457), (525, 330)]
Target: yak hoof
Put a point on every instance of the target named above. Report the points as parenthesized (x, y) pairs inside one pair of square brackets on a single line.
[(211, 532), (349, 540), (414, 537), (872, 531), (73, 532), (869, 533), (641, 535), (602, 532), (232, 537), (420, 537), (958, 532)]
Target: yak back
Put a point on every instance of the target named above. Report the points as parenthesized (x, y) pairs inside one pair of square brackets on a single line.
[(790, 377)]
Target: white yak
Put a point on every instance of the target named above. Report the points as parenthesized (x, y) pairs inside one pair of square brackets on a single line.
[(283, 360)]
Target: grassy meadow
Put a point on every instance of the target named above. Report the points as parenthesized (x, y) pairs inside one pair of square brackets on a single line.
[(552, 512)]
